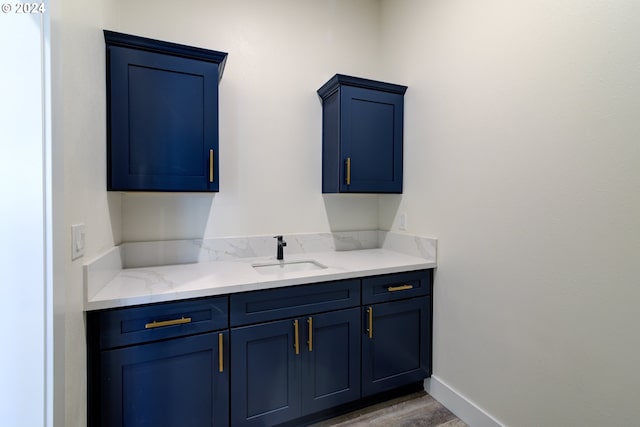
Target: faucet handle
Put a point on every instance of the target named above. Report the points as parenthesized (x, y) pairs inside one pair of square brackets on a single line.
[(281, 245)]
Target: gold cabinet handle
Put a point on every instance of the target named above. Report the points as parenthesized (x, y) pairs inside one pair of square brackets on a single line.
[(211, 165), (399, 288), (220, 353), (310, 342), (155, 324), (348, 171), (370, 328), (296, 342)]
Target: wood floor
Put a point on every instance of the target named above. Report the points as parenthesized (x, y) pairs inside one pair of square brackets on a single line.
[(414, 410)]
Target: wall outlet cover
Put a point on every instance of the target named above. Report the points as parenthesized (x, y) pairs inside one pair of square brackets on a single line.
[(77, 241), (402, 221)]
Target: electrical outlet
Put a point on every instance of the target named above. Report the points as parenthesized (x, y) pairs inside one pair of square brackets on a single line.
[(77, 241), (402, 221)]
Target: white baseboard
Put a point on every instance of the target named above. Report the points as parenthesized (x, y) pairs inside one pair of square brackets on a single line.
[(462, 407)]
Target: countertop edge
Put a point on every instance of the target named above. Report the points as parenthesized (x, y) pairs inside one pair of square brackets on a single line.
[(256, 283)]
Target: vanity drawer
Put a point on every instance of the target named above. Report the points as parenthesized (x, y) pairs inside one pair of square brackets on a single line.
[(121, 327), (273, 304), (392, 287)]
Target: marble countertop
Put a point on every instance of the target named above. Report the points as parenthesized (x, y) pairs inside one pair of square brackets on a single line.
[(133, 286)]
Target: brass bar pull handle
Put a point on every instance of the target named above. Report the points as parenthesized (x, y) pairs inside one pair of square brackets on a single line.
[(211, 165), (370, 328), (348, 171), (310, 342), (399, 288), (296, 342), (180, 321), (220, 353)]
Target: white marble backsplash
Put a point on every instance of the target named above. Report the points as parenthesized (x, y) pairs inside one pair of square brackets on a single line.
[(422, 247), (147, 254), (101, 270)]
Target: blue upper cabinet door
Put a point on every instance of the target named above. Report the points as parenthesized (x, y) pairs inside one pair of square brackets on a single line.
[(362, 135), (162, 114)]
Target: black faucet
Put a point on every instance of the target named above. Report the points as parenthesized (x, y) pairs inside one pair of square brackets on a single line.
[(281, 245)]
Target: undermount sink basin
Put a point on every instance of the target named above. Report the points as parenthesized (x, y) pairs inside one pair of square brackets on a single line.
[(276, 267)]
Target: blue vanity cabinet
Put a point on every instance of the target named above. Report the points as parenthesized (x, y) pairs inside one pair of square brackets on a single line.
[(331, 360), (265, 387), (396, 336), (362, 134), (289, 355), (161, 365), (162, 115), (168, 383), (285, 369)]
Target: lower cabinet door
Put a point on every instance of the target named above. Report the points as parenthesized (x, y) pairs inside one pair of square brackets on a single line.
[(178, 382), (290, 368), (265, 373), (331, 355), (396, 344)]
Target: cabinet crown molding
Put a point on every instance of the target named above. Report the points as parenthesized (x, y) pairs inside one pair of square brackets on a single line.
[(341, 79), (113, 38)]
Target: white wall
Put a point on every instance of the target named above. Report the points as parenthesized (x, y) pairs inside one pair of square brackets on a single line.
[(24, 255), (280, 53), (522, 156), (79, 115)]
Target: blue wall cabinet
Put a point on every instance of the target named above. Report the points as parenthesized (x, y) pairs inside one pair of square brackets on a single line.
[(162, 115), (362, 132), (286, 369)]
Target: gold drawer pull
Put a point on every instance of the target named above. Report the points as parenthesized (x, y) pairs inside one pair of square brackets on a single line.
[(370, 328), (310, 342), (210, 165), (399, 288), (348, 171), (220, 353), (155, 324), (296, 342)]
